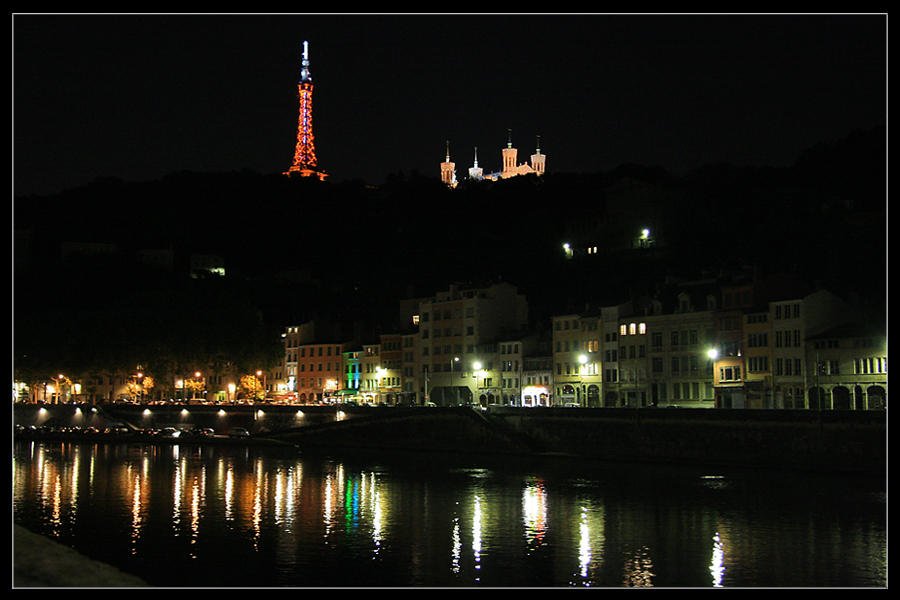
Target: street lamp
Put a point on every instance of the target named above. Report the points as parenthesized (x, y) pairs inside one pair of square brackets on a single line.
[(379, 375), (455, 360), (136, 387), (713, 354), (583, 359), (198, 384), (476, 367), (265, 389), (62, 380)]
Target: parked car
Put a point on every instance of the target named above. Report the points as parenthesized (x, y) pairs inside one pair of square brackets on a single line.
[(203, 432), (238, 432)]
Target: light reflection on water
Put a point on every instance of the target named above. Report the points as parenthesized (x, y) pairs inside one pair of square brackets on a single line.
[(243, 516)]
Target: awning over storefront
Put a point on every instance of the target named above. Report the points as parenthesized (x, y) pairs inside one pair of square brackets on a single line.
[(347, 392)]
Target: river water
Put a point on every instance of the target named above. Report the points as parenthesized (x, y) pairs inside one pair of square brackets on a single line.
[(251, 516)]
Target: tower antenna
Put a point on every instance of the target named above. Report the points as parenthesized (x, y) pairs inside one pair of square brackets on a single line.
[(304, 71)]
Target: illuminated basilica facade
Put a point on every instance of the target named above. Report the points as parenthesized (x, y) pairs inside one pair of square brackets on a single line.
[(511, 166)]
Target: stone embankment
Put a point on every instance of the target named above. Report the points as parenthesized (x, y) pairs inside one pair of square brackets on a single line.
[(41, 562), (828, 441), (816, 440)]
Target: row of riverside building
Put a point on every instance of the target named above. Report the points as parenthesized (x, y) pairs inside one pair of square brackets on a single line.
[(722, 342), (725, 342)]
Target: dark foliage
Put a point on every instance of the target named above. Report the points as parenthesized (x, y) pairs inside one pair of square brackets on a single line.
[(294, 248)]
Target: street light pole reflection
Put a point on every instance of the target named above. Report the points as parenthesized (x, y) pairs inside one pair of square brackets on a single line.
[(717, 567)]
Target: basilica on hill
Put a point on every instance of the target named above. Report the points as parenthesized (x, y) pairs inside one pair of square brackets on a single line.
[(511, 166)]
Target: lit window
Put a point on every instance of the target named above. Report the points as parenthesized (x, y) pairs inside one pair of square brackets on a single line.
[(730, 373)]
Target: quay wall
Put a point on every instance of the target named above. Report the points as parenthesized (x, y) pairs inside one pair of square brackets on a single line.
[(853, 441)]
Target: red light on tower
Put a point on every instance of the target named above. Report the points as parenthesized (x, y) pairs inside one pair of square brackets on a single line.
[(305, 151)]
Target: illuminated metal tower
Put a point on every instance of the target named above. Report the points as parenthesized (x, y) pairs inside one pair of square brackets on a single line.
[(305, 151)]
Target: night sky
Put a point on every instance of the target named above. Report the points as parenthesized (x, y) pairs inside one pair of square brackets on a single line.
[(141, 96)]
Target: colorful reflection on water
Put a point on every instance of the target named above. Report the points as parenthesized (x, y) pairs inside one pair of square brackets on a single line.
[(220, 516)]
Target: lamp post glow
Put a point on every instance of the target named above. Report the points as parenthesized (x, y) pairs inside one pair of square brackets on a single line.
[(264, 375), (644, 240), (713, 354), (476, 367), (582, 371), (379, 376), (455, 360)]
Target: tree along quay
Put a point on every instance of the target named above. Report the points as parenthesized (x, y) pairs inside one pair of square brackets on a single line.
[(847, 441)]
